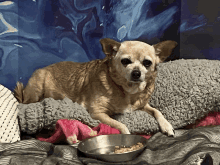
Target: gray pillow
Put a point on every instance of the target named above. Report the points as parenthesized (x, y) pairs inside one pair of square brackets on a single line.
[(185, 90)]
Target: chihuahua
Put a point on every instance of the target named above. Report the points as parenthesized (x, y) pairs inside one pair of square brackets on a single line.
[(123, 81)]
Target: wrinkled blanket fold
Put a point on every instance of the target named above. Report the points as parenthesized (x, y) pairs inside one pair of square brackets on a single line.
[(195, 146)]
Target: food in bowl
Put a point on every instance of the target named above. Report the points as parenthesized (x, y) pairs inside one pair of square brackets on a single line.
[(123, 149)]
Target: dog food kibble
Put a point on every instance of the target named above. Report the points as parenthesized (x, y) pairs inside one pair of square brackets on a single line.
[(123, 149)]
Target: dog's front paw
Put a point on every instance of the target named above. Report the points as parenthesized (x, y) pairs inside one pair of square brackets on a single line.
[(124, 130), (165, 126)]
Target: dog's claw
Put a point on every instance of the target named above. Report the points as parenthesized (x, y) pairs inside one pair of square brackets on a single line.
[(172, 134)]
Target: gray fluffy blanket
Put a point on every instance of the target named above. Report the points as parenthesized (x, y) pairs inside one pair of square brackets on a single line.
[(186, 90)]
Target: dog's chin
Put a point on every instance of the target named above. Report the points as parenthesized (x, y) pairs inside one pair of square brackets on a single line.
[(137, 83), (133, 82)]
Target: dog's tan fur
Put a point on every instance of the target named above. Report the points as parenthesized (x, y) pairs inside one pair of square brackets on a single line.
[(103, 87)]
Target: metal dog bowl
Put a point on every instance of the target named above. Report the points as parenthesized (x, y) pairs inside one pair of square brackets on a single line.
[(102, 147)]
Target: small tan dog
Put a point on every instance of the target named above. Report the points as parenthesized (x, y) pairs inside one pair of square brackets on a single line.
[(122, 81)]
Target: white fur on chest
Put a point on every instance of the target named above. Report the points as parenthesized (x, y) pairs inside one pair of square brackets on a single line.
[(128, 109)]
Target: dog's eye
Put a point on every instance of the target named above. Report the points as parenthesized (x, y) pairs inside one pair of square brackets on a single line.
[(147, 63), (126, 61)]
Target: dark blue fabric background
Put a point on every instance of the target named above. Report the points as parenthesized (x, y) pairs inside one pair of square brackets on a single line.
[(36, 33)]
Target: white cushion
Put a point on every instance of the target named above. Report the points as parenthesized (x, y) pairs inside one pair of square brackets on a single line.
[(9, 128)]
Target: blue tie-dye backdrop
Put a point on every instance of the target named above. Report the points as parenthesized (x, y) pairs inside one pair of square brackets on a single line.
[(36, 33)]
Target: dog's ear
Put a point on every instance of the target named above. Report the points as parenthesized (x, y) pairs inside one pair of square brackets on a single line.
[(164, 49), (110, 46)]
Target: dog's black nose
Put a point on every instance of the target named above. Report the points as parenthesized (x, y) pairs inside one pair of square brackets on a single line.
[(136, 74)]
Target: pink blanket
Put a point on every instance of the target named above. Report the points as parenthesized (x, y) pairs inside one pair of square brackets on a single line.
[(73, 130)]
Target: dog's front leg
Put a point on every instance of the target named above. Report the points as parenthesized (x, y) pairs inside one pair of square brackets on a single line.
[(165, 126), (104, 118)]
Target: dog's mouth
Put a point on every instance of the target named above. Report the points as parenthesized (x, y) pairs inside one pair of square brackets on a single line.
[(135, 81)]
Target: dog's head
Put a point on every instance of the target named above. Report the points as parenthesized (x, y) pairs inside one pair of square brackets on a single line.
[(135, 60)]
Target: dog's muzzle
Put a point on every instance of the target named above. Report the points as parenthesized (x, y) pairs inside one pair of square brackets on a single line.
[(135, 75)]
